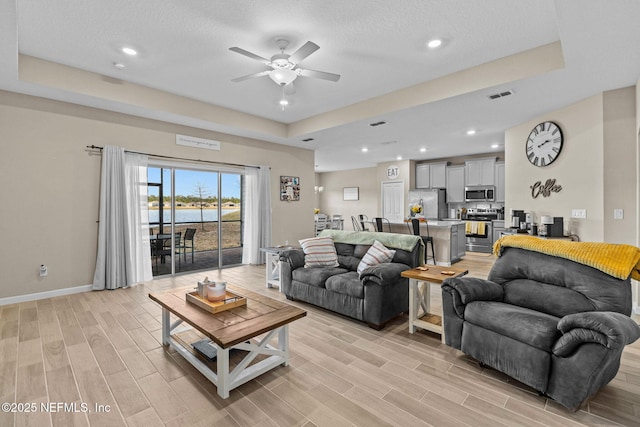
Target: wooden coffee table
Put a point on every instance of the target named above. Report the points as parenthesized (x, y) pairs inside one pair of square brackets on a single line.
[(239, 328), (420, 295)]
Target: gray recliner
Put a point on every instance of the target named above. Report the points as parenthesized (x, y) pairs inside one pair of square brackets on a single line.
[(553, 324)]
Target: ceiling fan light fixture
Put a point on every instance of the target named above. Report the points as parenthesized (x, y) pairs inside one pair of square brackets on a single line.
[(283, 76)]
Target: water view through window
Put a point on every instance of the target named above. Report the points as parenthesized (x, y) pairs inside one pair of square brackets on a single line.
[(205, 209)]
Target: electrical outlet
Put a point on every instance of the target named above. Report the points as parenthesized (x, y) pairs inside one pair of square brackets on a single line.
[(579, 213), (618, 214), (43, 270)]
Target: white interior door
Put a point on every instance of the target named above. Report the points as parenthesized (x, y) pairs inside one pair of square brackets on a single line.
[(393, 201)]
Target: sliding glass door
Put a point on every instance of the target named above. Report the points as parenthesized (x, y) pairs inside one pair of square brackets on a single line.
[(195, 217)]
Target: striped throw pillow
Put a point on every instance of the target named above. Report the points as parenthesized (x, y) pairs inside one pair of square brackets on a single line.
[(377, 254), (319, 252)]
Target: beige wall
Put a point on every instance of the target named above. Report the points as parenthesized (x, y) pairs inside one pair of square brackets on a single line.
[(50, 184), (578, 169), (331, 199), (620, 160), (596, 169)]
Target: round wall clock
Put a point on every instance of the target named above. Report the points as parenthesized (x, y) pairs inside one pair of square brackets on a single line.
[(544, 144)]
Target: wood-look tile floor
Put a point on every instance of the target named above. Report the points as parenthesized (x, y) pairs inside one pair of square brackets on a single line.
[(103, 348)]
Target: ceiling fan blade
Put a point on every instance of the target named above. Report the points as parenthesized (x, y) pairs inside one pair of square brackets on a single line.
[(289, 89), (319, 75), (250, 76), (307, 49), (250, 55)]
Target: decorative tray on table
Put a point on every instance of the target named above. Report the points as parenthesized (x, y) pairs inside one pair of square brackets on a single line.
[(231, 300)]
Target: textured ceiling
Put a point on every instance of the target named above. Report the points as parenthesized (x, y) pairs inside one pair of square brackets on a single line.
[(378, 47)]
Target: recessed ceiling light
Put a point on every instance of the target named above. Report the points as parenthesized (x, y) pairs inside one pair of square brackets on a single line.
[(432, 44), (399, 158), (471, 132), (284, 102), (119, 65), (423, 150), (495, 145), (365, 149), (129, 51)]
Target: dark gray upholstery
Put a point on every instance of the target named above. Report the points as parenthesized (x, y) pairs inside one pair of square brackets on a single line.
[(375, 296), (553, 324)]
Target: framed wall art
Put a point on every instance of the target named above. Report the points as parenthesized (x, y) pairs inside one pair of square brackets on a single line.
[(289, 188), (350, 193)]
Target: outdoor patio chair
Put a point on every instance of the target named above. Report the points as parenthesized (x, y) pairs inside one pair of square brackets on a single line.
[(162, 247), (188, 243)]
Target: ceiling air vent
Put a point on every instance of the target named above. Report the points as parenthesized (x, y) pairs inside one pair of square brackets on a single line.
[(307, 140), (501, 94), (378, 123)]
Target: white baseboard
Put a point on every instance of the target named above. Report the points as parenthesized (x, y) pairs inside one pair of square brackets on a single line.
[(46, 294), (443, 264)]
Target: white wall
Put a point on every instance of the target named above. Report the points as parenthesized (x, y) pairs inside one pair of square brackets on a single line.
[(50, 185)]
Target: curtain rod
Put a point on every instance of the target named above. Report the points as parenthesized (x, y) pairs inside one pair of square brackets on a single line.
[(96, 147)]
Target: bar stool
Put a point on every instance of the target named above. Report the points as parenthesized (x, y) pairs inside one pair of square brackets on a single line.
[(415, 229)]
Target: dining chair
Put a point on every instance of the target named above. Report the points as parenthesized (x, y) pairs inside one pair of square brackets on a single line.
[(336, 222), (356, 224), (415, 229), (364, 221), (320, 222), (380, 222)]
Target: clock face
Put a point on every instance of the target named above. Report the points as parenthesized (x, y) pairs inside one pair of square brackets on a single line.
[(544, 144)]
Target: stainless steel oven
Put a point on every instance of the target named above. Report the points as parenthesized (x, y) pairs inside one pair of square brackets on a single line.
[(479, 230), (480, 193)]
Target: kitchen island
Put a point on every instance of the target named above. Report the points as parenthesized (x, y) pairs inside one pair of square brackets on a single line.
[(448, 238)]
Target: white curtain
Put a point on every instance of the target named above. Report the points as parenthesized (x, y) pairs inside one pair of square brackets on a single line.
[(257, 214), (124, 254)]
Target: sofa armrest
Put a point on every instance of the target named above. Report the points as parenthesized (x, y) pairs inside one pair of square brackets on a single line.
[(464, 290), (609, 329), (294, 257), (383, 274)]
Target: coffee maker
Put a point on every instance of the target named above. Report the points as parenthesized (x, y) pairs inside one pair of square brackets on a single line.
[(518, 219), (551, 226)]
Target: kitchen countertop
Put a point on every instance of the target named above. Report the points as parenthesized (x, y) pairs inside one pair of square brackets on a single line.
[(446, 223)]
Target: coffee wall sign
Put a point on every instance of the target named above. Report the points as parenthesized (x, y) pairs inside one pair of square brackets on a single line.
[(545, 189)]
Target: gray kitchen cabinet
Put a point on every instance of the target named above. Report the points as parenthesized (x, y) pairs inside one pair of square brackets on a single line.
[(480, 171), (499, 176), (455, 184), (438, 175), (423, 171), (498, 230), (458, 242)]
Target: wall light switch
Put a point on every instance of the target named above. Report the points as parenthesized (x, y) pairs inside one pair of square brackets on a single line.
[(579, 213), (618, 214)]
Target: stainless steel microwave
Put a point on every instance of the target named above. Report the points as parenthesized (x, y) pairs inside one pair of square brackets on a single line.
[(480, 193)]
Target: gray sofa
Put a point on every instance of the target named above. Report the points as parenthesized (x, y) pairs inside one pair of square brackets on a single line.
[(375, 297), (556, 325)]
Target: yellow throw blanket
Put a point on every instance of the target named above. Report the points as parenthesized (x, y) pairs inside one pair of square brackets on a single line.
[(614, 259)]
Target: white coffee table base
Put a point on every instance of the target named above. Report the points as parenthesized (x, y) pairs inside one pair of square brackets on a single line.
[(224, 379)]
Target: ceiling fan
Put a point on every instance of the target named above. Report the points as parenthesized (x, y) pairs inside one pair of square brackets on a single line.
[(285, 68)]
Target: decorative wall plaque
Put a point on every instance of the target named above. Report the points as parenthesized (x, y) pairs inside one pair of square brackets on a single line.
[(545, 189)]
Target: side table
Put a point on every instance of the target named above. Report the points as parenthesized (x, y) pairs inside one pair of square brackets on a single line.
[(272, 264), (420, 279)]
